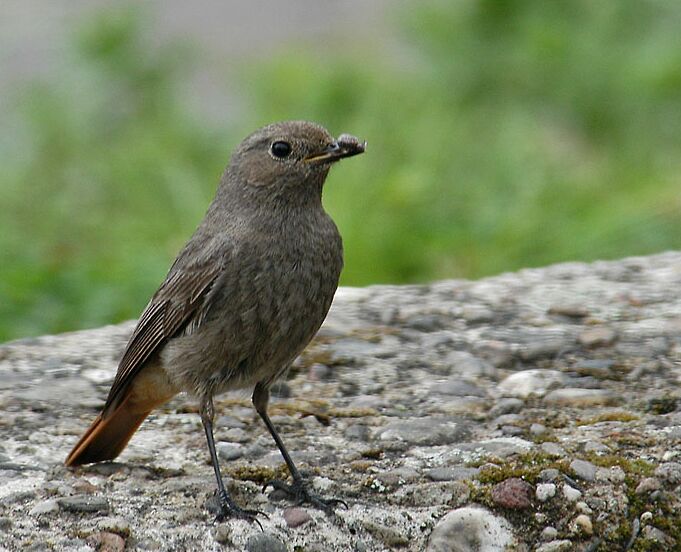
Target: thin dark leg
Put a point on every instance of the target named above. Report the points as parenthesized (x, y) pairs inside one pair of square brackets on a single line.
[(227, 507), (261, 398), (298, 490), (207, 415)]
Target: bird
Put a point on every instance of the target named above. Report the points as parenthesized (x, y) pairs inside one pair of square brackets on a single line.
[(241, 301)]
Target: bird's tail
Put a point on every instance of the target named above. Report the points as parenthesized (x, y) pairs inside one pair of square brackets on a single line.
[(107, 436)]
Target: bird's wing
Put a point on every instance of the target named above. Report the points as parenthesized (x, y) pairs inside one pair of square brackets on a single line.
[(178, 302)]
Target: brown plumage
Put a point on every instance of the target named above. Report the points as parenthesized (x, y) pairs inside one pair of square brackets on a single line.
[(241, 301)]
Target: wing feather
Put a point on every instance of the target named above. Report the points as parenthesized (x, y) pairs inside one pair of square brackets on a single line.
[(179, 300)]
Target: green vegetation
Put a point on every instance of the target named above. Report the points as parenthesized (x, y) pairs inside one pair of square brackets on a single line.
[(510, 134)]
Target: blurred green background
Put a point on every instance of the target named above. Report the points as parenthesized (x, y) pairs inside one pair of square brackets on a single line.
[(502, 134)]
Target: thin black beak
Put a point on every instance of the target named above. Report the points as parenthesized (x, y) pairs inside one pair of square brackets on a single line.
[(345, 146)]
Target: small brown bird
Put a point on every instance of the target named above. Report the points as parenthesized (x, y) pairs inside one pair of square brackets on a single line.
[(241, 301)]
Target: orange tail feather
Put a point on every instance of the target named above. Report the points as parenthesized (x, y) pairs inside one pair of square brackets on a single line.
[(112, 429), (107, 436)]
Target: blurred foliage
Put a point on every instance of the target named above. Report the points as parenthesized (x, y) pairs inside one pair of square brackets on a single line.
[(502, 134), (103, 181)]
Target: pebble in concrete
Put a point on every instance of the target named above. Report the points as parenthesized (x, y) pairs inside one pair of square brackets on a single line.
[(262, 542), (468, 529), (84, 503), (545, 491), (513, 493), (296, 517), (583, 469)]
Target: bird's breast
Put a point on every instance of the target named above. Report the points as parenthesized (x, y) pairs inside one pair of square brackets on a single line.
[(293, 289), (270, 301)]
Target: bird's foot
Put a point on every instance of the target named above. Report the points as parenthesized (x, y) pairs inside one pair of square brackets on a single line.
[(225, 508), (298, 492)]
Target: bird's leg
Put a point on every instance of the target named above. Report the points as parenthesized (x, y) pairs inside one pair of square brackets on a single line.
[(298, 490), (226, 508)]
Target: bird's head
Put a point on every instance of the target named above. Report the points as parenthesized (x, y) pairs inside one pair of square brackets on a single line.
[(289, 158)]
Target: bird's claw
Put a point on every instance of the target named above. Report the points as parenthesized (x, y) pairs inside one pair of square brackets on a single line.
[(226, 509), (298, 492)]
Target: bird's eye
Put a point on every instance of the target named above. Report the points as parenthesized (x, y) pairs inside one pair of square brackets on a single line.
[(280, 149)]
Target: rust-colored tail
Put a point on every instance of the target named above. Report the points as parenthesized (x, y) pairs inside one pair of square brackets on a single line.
[(112, 429), (107, 436)]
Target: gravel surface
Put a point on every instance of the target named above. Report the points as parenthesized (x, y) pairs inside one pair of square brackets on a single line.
[(537, 410)]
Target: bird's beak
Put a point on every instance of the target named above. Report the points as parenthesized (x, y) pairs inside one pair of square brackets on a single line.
[(345, 146)]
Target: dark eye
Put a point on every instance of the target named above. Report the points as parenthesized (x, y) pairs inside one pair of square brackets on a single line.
[(280, 149)]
